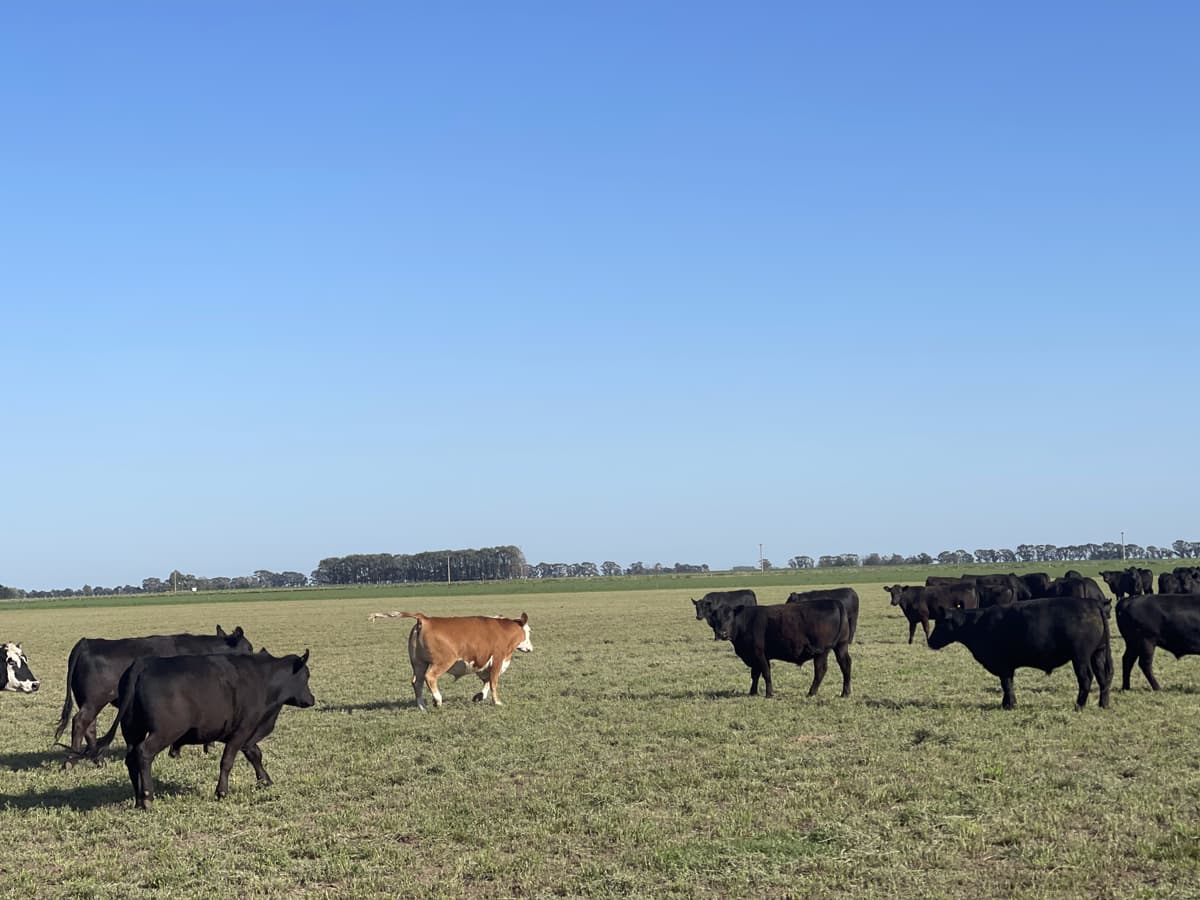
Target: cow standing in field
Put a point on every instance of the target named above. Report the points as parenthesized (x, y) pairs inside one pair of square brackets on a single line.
[(708, 606), (1170, 621), (1126, 583), (168, 701), (16, 675), (457, 645), (1038, 634), (95, 667), (847, 596), (921, 605), (793, 632)]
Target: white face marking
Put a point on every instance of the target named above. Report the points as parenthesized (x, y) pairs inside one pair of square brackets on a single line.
[(526, 646)]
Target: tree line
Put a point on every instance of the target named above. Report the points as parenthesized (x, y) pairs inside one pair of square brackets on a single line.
[(508, 562)]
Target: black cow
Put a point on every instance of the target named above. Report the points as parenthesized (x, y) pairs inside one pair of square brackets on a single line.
[(847, 596), (1123, 583), (1170, 621), (792, 632), (1147, 579), (1188, 578), (1168, 583), (1037, 582), (1039, 634), (16, 675), (169, 701), (708, 605), (95, 666), (923, 604), (1084, 588)]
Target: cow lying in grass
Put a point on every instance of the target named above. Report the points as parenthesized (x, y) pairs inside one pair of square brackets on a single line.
[(457, 645), (16, 675)]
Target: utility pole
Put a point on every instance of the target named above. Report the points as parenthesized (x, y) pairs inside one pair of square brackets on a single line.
[(447, 570), (760, 560), (1122, 546)]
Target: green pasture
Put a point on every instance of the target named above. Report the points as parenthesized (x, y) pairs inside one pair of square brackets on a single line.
[(626, 761)]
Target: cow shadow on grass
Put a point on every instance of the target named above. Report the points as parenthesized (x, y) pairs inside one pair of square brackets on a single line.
[(88, 797), (373, 706), (17, 762)]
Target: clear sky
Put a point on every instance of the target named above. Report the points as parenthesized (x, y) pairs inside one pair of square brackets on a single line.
[(629, 281)]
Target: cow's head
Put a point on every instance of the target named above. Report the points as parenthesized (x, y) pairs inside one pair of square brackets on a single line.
[(724, 617), (701, 608), (296, 691), (16, 675), (1112, 579), (948, 627), (236, 640), (526, 645), (895, 590)]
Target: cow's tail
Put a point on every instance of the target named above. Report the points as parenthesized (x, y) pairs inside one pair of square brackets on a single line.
[(1108, 663), (76, 651), (129, 688), (394, 614)]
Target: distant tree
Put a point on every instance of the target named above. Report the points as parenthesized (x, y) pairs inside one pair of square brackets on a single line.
[(800, 562), (872, 559), (608, 567), (637, 568), (765, 564)]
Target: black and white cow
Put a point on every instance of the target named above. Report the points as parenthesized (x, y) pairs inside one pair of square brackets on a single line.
[(16, 675), (168, 701)]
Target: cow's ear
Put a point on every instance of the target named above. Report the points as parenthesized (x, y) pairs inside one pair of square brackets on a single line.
[(237, 632), (524, 618), (220, 631), (695, 602), (301, 661)]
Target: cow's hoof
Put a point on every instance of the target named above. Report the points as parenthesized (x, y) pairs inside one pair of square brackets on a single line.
[(173, 753), (265, 783), (477, 697)]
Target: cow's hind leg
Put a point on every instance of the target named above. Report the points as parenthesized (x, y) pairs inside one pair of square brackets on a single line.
[(1146, 662), (150, 747), (764, 666), (1083, 675), (820, 666), (1102, 668), (432, 674), (418, 682), (1128, 658), (842, 654)]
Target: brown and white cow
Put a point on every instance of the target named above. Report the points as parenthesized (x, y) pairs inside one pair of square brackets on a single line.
[(457, 645)]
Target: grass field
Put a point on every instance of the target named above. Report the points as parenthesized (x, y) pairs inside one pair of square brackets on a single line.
[(626, 761)]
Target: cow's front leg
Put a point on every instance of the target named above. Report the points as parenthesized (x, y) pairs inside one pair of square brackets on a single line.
[(766, 673), (494, 684), (227, 757), (1010, 695), (912, 630), (755, 672), (254, 755)]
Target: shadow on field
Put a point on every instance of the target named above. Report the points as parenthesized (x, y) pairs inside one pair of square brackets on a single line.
[(889, 703), (366, 707), (18, 761), (86, 798)]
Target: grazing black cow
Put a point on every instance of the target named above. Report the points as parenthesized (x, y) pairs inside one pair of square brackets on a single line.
[(95, 666), (1170, 621), (708, 605), (16, 675), (1037, 582), (1039, 634), (1123, 583), (792, 632), (168, 701), (923, 604), (847, 596)]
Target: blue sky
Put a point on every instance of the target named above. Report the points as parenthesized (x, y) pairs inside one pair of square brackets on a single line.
[(624, 281)]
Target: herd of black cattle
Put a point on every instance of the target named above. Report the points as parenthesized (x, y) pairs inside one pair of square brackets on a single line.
[(173, 690), (1007, 622)]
